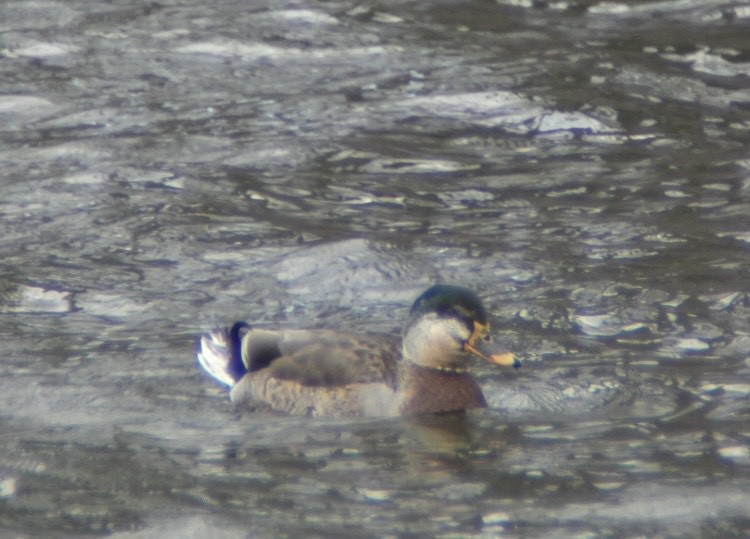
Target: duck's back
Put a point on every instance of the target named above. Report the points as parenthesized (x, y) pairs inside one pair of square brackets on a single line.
[(319, 373)]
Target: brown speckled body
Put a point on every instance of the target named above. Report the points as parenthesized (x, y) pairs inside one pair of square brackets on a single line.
[(328, 374), (320, 373), (291, 397), (423, 390)]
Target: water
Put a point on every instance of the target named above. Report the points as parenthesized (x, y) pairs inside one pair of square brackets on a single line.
[(170, 166)]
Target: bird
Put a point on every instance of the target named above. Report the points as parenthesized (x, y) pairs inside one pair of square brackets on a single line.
[(333, 373)]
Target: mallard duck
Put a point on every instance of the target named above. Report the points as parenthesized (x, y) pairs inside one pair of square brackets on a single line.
[(328, 373)]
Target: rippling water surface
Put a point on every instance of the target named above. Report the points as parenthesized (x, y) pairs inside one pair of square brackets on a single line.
[(169, 166)]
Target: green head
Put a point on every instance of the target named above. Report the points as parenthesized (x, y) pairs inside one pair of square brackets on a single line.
[(445, 323), (451, 301)]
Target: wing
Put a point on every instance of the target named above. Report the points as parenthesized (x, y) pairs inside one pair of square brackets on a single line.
[(322, 358)]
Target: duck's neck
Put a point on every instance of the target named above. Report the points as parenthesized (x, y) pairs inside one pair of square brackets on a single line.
[(425, 390)]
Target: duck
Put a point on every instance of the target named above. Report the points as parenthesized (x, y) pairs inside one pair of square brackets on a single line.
[(331, 373)]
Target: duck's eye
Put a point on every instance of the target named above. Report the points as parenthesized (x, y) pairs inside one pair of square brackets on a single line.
[(487, 338)]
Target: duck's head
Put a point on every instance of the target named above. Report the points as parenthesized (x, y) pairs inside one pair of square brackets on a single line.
[(446, 324)]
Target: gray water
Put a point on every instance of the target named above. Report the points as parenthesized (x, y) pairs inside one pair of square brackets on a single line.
[(169, 166)]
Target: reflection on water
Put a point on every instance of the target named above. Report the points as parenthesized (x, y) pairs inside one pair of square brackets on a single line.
[(582, 165)]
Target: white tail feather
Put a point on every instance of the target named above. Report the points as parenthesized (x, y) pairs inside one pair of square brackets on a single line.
[(215, 355)]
